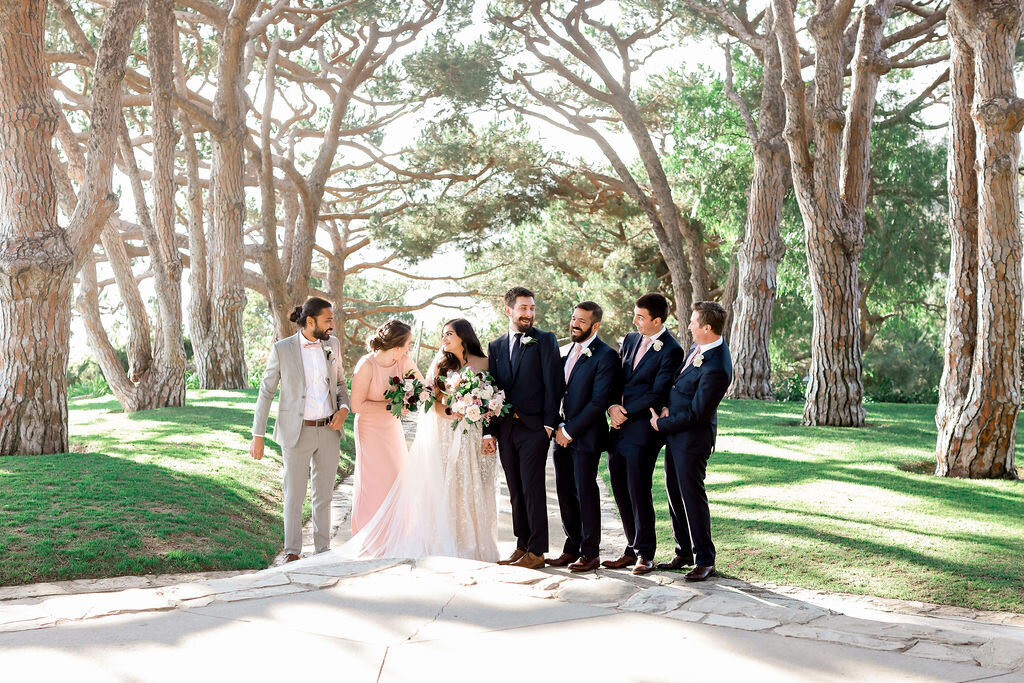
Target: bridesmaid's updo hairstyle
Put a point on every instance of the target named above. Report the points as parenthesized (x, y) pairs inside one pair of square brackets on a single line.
[(311, 309), (390, 335), (447, 362)]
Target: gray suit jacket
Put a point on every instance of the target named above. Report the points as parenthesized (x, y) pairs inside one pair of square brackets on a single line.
[(285, 367)]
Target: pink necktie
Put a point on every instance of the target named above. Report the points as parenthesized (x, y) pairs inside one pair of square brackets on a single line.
[(689, 359), (309, 345), (643, 349), (573, 357)]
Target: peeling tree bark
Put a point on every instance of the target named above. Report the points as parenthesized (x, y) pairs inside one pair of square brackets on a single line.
[(831, 190), (36, 259), (980, 391), (762, 249), (222, 362)]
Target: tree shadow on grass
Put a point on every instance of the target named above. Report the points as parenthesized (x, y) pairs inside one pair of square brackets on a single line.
[(76, 515), (750, 469), (947, 577)]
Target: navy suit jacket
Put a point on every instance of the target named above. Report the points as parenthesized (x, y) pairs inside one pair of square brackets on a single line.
[(535, 387), (644, 388), (591, 389), (692, 423)]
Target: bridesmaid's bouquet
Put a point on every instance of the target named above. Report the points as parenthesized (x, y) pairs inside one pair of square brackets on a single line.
[(406, 394), (472, 396)]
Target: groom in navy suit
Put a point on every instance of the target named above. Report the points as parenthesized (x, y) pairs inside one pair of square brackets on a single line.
[(591, 370), (690, 424), (651, 356), (526, 365)]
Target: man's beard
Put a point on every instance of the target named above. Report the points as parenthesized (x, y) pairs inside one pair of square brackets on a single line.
[(320, 333), (523, 327), (581, 335)]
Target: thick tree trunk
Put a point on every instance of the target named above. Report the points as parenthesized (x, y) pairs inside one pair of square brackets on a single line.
[(762, 247), (165, 383), (831, 189), (980, 392), (36, 261), (223, 365)]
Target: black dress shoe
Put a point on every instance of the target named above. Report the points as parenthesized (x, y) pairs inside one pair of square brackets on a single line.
[(563, 559), (643, 566), (699, 573), (678, 562)]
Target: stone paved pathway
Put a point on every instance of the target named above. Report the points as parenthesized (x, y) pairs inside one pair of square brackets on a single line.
[(388, 619)]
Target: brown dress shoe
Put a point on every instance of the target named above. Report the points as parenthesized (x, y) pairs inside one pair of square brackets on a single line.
[(514, 557), (530, 561), (678, 562), (585, 564), (643, 566), (290, 557), (699, 573), (563, 559), (621, 563)]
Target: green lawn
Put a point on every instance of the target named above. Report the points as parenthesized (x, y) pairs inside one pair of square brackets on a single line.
[(831, 509), (160, 491)]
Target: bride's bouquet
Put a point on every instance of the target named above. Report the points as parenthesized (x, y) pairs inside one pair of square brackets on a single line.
[(407, 394), (472, 396)]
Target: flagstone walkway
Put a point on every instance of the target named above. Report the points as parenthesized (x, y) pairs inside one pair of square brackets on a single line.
[(461, 620)]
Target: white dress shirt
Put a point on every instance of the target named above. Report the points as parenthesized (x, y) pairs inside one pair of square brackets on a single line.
[(314, 363), (704, 348)]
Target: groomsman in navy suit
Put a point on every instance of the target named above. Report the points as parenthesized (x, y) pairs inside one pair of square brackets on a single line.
[(525, 363), (591, 370), (690, 424), (651, 357)]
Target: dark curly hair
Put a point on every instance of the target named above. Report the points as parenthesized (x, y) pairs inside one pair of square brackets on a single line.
[(447, 362)]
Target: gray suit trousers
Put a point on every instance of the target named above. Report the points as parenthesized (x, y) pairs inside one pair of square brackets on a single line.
[(317, 451)]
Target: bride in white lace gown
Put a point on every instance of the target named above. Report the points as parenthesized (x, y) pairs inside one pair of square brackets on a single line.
[(445, 499)]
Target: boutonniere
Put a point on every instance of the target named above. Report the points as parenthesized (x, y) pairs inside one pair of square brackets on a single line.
[(529, 340), (585, 351), (328, 353), (698, 360), (657, 344)]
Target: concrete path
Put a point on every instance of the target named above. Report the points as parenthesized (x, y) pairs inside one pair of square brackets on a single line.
[(460, 620)]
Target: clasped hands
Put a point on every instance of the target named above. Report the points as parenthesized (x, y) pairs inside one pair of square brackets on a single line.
[(655, 417)]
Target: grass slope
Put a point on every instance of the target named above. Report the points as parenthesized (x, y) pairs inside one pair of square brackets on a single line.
[(831, 509), (158, 491)]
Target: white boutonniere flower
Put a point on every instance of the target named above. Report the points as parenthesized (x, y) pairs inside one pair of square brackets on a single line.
[(698, 360), (585, 351), (529, 340), (657, 344), (329, 353)]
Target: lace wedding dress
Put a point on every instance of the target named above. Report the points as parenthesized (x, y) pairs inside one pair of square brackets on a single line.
[(444, 501)]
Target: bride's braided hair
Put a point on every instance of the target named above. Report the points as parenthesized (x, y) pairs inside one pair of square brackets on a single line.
[(390, 335), (448, 362)]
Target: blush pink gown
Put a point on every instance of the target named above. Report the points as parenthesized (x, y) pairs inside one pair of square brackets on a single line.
[(380, 443)]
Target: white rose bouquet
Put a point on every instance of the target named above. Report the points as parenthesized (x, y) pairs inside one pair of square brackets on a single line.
[(470, 395), (407, 394)]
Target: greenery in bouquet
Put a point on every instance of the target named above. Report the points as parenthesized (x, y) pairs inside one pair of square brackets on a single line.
[(472, 396), (407, 394)]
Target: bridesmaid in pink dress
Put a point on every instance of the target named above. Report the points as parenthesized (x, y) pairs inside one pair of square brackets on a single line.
[(380, 442)]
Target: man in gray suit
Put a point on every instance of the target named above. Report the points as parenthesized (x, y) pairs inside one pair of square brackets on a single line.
[(310, 416)]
